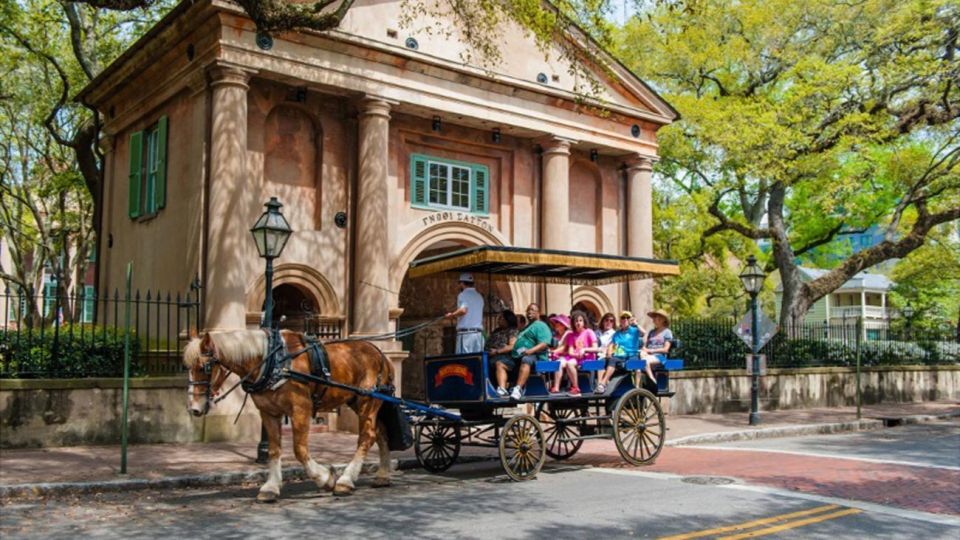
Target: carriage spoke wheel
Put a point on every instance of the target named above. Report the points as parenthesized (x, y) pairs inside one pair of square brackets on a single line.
[(559, 432), (437, 446), (522, 447), (638, 426)]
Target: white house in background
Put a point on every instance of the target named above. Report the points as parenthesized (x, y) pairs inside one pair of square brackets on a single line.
[(862, 297)]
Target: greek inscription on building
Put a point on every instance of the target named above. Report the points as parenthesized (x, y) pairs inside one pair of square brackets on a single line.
[(442, 217)]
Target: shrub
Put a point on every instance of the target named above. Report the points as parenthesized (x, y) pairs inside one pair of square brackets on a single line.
[(71, 353)]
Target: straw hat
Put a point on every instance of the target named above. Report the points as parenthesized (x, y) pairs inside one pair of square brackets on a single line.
[(626, 315), (659, 313)]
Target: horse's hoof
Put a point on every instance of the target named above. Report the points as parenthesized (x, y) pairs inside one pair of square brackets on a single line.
[(381, 482), (267, 497), (331, 483), (342, 490)]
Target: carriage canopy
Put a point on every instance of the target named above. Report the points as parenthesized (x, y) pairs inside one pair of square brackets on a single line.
[(543, 265)]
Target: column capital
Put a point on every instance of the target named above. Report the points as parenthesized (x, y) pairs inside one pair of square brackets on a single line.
[(229, 75), (375, 106), (555, 145), (640, 163)]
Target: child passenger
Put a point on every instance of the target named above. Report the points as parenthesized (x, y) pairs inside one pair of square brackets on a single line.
[(575, 350)]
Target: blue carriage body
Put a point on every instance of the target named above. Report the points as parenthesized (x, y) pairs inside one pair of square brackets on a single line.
[(465, 381)]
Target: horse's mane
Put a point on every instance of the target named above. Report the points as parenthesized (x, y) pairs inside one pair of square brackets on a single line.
[(232, 345), (191, 354)]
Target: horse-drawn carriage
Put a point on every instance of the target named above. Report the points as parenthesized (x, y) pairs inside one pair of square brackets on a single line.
[(288, 374), (540, 424)]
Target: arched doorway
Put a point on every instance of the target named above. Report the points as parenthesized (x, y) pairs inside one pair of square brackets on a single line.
[(293, 307)]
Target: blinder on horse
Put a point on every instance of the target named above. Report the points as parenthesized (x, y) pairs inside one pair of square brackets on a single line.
[(207, 369)]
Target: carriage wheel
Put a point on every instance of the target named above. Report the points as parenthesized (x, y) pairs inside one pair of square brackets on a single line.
[(522, 448), (437, 446), (559, 432), (638, 426)]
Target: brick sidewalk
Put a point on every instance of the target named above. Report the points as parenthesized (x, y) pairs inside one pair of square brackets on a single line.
[(157, 461)]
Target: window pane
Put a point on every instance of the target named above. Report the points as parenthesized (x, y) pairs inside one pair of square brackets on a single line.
[(438, 183), (461, 187)]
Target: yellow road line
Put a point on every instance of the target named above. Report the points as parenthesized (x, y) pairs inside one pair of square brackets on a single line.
[(751, 524), (794, 524)]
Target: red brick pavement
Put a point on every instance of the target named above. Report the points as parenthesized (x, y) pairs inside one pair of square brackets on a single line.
[(915, 488)]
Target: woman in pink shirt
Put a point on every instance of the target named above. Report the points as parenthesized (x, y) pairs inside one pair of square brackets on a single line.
[(576, 346)]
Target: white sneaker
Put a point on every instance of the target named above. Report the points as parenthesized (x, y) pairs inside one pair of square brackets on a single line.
[(501, 391), (516, 393)]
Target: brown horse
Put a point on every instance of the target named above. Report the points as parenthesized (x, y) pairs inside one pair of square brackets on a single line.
[(213, 357)]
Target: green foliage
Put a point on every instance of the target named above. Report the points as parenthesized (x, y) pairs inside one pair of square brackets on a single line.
[(929, 281), (71, 353), (802, 120), (711, 344)]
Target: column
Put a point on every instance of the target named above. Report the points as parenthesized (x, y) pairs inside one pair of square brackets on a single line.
[(555, 204), (371, 313), (231, 254), (640, 229)]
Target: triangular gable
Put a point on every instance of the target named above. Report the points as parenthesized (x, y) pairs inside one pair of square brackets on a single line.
[(522, 61)]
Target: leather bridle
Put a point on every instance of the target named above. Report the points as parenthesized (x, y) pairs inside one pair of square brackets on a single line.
[(211, 383)]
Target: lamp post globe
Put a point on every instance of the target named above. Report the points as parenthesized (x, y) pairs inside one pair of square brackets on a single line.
[(752, 278), (270, 234)]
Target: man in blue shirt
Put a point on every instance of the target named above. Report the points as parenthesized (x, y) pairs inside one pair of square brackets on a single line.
[(624, 346)]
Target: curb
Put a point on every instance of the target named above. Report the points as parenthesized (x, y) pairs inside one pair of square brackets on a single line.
[(809, 429), (293, 473), (188, 481)]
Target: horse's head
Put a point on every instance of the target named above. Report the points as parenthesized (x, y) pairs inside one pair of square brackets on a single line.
[(206, 374)]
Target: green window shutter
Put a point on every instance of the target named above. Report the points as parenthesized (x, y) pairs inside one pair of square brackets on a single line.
[(481, 190), (89, 303), (136, 168), (161, 185), (418, 180)]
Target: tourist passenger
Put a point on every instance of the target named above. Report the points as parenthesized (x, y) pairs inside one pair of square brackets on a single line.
[(560, 325), (605, 333), (530, 346), (624, 346), (469, 315), (578, 345), (502, 340), (658, 341)]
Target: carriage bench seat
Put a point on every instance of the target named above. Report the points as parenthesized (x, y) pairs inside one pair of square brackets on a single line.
[(546, 366), (661, 371)]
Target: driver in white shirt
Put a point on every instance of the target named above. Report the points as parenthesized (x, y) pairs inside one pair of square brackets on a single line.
[(469, 315)]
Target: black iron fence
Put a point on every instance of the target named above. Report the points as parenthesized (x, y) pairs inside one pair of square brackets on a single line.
[(82, 334), (713, 344)]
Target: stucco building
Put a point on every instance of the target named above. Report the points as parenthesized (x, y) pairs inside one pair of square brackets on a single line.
[(387, 126)]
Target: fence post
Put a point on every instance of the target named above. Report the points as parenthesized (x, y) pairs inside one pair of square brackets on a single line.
[(126, 372), (859, 339)]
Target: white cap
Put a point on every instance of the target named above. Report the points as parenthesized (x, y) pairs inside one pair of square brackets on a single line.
[(466, 277)]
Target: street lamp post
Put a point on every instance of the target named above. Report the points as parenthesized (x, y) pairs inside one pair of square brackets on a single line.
[(908, 316), (270, 233), (752, 278)]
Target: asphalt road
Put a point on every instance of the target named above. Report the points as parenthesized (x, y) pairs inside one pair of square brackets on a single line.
[(477, 501)]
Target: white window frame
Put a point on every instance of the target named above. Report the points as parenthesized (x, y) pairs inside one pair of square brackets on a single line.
[(448, 204)]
